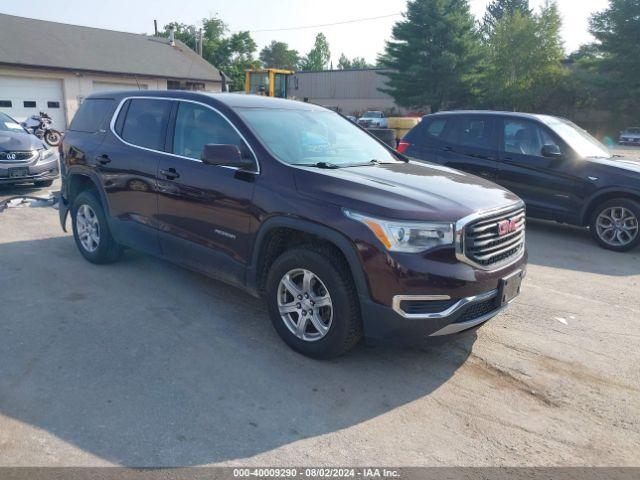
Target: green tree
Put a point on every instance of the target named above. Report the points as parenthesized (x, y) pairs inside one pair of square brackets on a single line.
[(279, 55), (617, 61), (497, 9), (522, 68), (232, 54), (319, 56), (433, 55), (358, 63)]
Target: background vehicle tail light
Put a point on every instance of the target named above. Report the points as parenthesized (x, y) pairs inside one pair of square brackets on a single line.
[(403, 146)]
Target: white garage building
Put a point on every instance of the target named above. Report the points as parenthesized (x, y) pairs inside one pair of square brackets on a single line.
[(52, 67)]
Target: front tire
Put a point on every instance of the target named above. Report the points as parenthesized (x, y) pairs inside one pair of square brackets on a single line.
[(91, 230), (615, 224), (312, 302)]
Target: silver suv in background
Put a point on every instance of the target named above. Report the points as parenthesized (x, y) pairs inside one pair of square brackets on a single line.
[(630, 136)]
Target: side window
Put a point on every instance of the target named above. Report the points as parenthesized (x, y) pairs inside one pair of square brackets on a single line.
[(92, 115), (430, 131), (197, 126), (525, 138), (473, 131), (146, 123)]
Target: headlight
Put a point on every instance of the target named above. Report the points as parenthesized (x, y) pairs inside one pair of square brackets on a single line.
[(47, 155), (409, 237)]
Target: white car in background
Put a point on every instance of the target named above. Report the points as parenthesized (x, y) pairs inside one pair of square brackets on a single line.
[(373, 119), (630, 136)]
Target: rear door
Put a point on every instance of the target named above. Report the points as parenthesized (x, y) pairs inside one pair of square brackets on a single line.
[(547, 185), (127, 162), (472, 145), (204, 210), (428, 139)]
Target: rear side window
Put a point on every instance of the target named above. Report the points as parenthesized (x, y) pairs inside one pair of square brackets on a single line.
[(146, 122), (430, 131), (197, 126), (92, 115), (473, 131)]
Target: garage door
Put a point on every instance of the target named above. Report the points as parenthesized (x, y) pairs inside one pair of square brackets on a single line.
[(112, 86), (22, 97)]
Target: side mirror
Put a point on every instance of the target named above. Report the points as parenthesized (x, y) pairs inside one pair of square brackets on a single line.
[(223, 155), (551, 151)]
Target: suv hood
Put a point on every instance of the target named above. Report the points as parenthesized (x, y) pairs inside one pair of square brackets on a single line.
[(622, 163), (404, 191), (19, 141)]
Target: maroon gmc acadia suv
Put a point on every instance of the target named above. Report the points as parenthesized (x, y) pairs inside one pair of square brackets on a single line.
[(341, 236)]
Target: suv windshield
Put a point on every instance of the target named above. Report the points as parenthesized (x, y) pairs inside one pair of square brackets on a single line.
[(580, 140), (8, 124), (372, 115), (633, 131), (311, 137)]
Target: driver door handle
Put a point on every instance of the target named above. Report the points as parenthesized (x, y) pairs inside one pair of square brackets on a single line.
[(170, 174)]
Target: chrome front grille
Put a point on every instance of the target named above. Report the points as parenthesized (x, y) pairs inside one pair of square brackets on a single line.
[(17, 157), (494, 240)]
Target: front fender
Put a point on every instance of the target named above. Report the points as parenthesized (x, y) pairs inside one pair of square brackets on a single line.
[(306, 226), (594, 199)]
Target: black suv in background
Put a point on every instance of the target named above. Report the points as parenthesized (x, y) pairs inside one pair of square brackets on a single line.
[(559, 170), (339, 233)]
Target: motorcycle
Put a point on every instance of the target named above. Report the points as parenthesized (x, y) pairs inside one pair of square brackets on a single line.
[(40, 126)]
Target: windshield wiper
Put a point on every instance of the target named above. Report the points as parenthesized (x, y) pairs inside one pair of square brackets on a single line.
[(325, 165), (369, 163)]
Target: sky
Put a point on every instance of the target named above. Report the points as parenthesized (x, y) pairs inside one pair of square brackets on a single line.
[(362, 39)]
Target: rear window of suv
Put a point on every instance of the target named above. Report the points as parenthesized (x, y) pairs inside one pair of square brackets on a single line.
[(92, 115)]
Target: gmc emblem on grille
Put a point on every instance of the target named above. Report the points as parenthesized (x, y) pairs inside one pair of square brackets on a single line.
[(506, 227)]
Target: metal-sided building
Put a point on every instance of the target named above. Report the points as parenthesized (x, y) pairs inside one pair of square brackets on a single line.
[(349, 91)]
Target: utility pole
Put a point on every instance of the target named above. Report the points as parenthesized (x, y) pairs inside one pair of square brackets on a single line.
[(155, 27), (200, 42)]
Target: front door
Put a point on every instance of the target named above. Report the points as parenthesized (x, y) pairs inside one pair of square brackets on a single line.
[(546, 186), (204, 211)]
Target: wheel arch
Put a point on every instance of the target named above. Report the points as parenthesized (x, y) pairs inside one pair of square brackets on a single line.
[(605, 195), (279, 228), (75, 183)]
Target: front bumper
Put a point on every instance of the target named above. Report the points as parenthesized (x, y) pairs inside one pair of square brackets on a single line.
[(37, 172), (385, 325), (428, 308)]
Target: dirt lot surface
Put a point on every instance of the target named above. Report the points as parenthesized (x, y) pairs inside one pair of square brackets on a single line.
[(142, 363)]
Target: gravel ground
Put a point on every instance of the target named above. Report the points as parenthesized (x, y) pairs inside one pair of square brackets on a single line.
[(142, 363)]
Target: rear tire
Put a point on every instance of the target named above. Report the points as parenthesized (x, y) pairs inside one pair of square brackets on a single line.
[(615, 224), (91, 230), (332, 302)]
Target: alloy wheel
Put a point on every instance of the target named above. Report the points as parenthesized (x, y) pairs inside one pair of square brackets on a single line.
[(617, 226), (88, 228), (305, 305)]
